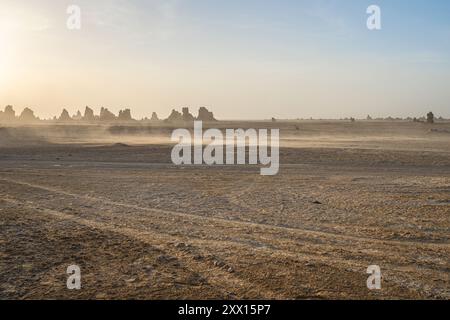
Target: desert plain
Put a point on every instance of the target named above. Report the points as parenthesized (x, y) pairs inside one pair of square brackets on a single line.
[(108, 199)]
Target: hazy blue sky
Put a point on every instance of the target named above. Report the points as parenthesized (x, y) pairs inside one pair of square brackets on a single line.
[(244, 59)]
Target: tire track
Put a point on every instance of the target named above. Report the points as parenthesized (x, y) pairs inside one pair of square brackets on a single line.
[(222, 280), (236, 223), (168, 239), (215, 276)]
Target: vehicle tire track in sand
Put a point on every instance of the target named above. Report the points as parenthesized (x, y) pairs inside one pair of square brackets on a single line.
[(235, 223), (222, 279), (356, 266), (277, 241)]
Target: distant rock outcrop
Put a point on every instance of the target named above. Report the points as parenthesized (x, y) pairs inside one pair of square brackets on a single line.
[(88, 114), (125, 115), (175, 116), (77, 116), (9, 114), (27, 115), (106, 115), (430, 117), (154, 117), (64, 116), (205, 115), (187, 116)]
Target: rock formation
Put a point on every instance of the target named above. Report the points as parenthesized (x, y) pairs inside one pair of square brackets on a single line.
[(430, 117), (154, 117), (205, 115), (175, 116), (27, 115), (125, 115), (187, 116), (88, 114), (9, 114), (77, 116), (64, 116), (106, 115)]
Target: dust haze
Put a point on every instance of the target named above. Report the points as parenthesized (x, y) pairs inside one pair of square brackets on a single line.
[(107, 197)]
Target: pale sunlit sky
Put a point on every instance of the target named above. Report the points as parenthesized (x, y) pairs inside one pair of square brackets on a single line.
[(245, 59)]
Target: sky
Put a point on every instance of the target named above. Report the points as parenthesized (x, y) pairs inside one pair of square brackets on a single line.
[(243, 59)]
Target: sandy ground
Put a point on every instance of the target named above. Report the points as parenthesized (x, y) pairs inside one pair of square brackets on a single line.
[(347, 196)]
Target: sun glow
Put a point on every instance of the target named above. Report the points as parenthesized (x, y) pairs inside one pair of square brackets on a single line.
[(14, 30), (9, 37), (3, 57)]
